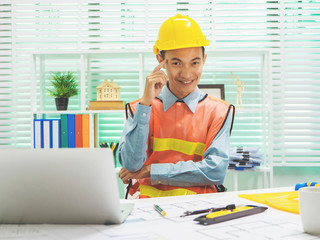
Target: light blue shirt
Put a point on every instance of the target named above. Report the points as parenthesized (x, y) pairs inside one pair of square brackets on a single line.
[(210, 170)]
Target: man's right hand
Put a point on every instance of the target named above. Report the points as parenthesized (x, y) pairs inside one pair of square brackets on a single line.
[(154, 83)]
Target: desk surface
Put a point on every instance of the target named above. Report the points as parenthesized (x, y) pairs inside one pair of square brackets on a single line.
[(146, 223)]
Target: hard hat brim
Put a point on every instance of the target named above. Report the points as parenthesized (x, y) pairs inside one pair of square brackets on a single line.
[(157, 49)]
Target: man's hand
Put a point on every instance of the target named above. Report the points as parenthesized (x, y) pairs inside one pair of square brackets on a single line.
[(154, 83), (125, 175)]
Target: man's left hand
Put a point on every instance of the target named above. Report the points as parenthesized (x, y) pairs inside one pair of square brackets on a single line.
[(125, 175)]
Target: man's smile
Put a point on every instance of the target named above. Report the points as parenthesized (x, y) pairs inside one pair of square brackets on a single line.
[(186, 82)]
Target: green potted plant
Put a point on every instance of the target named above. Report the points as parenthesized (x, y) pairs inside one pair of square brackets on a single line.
[(65, 86)]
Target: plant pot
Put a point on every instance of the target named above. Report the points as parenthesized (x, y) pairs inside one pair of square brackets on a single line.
[(62, 103)]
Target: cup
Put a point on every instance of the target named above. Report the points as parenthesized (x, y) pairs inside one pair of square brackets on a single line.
[(309, 203)]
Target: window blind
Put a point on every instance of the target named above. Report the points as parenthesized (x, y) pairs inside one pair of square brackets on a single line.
[(288, 29), (296, 98), (7, 102)]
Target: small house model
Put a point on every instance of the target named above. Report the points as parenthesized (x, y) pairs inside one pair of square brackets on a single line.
[(108, 91)]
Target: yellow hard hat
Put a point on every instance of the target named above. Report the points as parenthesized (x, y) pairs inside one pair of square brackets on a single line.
[(179, 32)]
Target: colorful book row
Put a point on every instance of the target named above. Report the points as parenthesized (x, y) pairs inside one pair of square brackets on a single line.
[(70, 131)]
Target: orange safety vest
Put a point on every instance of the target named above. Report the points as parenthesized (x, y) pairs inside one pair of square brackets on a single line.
[(173, 138)]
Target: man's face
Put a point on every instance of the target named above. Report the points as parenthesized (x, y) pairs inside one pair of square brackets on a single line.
[(184, 69)]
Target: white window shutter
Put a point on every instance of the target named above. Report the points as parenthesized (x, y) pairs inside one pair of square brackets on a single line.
[(289, 29)]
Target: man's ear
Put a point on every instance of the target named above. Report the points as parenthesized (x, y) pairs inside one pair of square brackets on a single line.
[(159, 58)]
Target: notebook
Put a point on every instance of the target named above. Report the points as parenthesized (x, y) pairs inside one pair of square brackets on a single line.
[(64, 186)]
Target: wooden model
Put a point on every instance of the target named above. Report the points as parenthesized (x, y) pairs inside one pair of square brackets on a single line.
[(108, 91), (108, 97), (240, 89)]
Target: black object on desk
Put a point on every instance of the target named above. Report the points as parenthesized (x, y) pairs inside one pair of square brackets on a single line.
[(228, 207), (225, 215)]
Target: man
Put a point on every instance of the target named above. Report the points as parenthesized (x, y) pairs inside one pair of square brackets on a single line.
[(176, 139)]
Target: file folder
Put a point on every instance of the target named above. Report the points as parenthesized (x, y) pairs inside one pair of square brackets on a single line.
[(64, 130), (78, 130), (55, 123), (71, 131), (85, 131), (37, 132), (47, 133)]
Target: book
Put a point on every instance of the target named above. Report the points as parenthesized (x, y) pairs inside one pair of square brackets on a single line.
[(85, 131), (78, 130), (71, 131), (37, 131), (47, 133), (64, 130), (55, 133), (106, 105)]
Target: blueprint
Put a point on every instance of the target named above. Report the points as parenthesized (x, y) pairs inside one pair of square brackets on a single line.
[(146, 223)]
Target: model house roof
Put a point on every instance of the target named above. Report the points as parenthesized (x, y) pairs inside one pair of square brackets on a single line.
[(108, 84)]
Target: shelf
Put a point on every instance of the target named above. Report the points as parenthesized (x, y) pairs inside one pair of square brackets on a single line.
[(130, 68), (262, 169), (78, 112), (102, 53), (255, 169)]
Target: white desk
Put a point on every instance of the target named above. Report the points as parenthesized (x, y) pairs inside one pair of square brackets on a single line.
[(146, 223)]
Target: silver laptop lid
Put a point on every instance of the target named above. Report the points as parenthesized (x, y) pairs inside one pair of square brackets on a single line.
[(75, 186)]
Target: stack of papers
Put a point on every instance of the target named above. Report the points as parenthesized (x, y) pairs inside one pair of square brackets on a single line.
[(242, 158)]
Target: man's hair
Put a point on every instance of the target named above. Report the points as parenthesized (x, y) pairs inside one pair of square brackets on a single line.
[(163, 53)]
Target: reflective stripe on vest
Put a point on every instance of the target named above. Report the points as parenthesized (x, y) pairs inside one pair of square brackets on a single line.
[(178, 145), (148, 191)]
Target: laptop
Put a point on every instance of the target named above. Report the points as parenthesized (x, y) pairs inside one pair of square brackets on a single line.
[(64, 186)]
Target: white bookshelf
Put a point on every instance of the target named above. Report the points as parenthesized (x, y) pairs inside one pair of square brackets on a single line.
[(251, 64)]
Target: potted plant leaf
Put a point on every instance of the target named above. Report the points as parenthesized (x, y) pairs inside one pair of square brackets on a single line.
[(65, 86)]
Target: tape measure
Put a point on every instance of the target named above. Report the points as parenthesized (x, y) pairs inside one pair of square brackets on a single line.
[(225, 215)]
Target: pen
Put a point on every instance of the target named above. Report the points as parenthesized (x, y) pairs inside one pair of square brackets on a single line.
[(228, 207), (159, 210)]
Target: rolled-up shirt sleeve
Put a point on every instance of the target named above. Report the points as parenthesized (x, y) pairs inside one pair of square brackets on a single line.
[(211, 170), (133, 142)]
